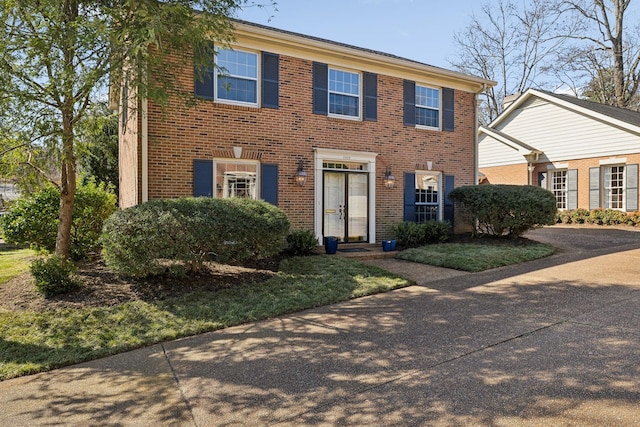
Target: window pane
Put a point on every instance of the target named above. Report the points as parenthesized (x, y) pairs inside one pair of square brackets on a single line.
[(427, 197), (559, 188), (236, 180), (343, 104), (235, 89), (427, 117), (239, 64), (344, 93), (427, 97)]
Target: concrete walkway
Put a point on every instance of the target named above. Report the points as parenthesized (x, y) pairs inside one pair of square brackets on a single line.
[(549, 342)]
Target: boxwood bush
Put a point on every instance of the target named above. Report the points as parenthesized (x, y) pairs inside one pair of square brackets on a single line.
[(147, 239), (598, 217), (505, 210), (302, 243), (33, 220), (411, 234), (54, 275)]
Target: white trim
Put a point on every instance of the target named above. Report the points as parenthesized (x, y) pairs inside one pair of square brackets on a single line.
[(613, 161), (325, 154)]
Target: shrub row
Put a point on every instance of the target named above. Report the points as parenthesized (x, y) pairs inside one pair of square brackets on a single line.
[(34, 220), (510, 210), (411, 234), (144, 240), (598, 216)]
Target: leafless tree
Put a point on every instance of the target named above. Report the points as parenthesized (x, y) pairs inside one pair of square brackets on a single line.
[(604, 56), (508, 42)]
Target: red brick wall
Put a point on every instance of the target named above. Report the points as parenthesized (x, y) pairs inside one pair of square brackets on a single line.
[(282, 136)]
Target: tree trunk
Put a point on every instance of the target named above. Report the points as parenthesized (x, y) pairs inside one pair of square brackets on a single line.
[(68, 170)]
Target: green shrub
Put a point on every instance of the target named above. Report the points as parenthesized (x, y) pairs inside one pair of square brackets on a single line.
[(145, 239), (53, 275), (408, 234), (411, 234), (436, 231), (34, 220), (302, 243), (499, 210)]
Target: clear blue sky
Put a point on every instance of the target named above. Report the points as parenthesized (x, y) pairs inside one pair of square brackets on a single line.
[(421, 30)]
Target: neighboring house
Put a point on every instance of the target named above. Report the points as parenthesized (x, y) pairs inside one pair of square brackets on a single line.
[(586, 153), (294, 109)]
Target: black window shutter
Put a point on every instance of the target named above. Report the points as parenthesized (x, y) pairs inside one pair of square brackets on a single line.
[(269, 184), (409, 92), (371, 97), (320, 88), (594, 188), (631, 191), (203, 178), (448, 101), (449, 185), (270, 80), (203, 81), (409, 196), (572, 189)]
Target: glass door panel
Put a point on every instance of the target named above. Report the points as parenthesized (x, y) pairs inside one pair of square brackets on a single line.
[(357, 207), (334, 205)]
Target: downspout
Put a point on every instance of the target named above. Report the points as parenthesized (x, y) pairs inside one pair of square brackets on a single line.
[(476, 172), (145, 151)]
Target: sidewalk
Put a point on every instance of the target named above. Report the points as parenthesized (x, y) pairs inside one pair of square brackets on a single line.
[(552, 342)]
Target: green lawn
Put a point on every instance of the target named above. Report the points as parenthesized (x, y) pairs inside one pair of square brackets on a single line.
[(31, 342), (476, 256), (14, 262)]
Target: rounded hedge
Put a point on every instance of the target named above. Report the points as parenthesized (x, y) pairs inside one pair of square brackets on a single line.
[(34, 220), (499, 210), (146, 239)]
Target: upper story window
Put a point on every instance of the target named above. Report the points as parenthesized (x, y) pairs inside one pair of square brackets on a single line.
[(344, 93), (427, 107), (237, 77)]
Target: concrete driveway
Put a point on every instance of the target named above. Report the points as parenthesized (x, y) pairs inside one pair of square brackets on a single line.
[(550, 342)]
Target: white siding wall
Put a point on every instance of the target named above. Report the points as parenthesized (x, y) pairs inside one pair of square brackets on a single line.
[(492, 152), (560, 133), (563, 134)]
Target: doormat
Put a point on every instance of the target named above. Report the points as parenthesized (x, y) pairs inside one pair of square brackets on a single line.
[(355, 250)]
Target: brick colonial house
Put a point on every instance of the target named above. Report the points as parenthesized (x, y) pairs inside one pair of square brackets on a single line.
[(586, 153), (316, 127)]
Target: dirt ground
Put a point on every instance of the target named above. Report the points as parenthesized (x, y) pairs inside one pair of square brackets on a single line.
[(100, 287)]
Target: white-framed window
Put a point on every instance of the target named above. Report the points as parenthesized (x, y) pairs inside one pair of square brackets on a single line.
[(558, 187), (428, 196), (344, 93), (614, 186), (237, 80), (428, 107), (236, 178)]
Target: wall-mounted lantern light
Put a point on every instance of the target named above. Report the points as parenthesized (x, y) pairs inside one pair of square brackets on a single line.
[(389, 180), (301, 176)]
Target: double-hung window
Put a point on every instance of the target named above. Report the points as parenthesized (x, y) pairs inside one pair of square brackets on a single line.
[(559, 187), (614, 187), (427, 107), (344, 93), (428, 199), (237, 77)]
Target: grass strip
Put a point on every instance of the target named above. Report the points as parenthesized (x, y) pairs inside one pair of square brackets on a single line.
[(33, 342), (475, 257), (14, 262)]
